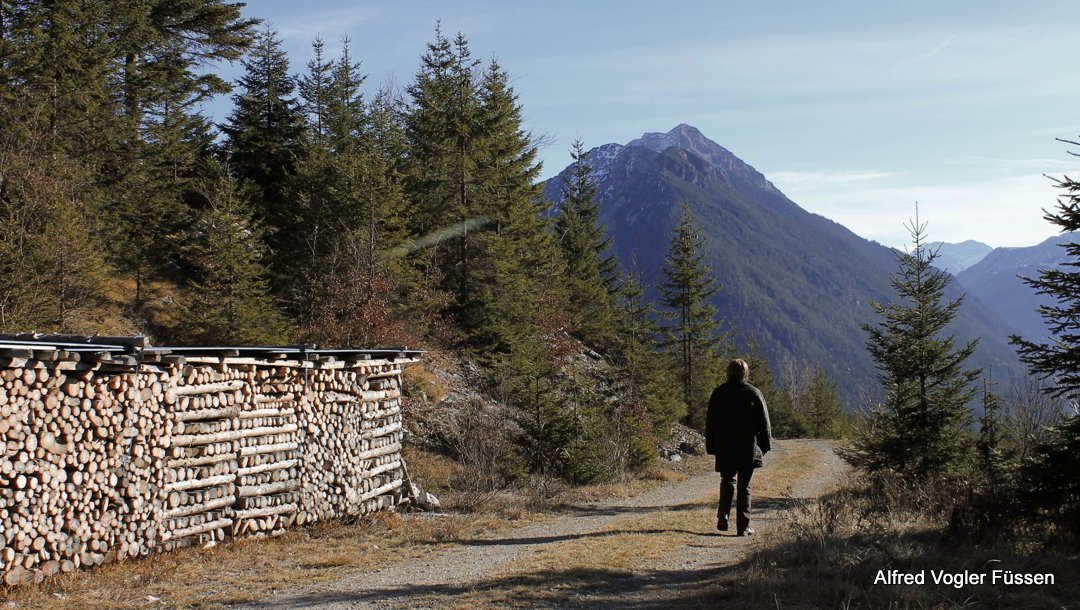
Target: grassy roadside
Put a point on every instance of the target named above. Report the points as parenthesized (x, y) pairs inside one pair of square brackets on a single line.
[(829, 552)]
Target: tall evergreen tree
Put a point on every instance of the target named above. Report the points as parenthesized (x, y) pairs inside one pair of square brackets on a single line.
[(346, 109), (315, 91), (162, 79), (922, 427), (52, 275), (263, 141), (694, 329), (824, 412), (231, 302), (1055, 488), (517, 271), (650, 371), (445, 127), (591, 269), (330, 184), (382, 204), (117, 84), (991, 436), (356, 284), (786, 421)]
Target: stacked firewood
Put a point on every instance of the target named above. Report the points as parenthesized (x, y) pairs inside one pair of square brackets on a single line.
[(108, 456), (81, 477), (352, 412)]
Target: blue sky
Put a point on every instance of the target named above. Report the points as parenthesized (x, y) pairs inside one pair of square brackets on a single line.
[(856, 110)]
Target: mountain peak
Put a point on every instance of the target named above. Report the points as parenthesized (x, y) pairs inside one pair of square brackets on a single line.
[(690, 139), (682, 136)]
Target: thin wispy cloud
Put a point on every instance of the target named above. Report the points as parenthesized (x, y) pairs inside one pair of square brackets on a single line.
[(813, 180), (1026, 164), (1002, 212), (330, 24), (928, 54)]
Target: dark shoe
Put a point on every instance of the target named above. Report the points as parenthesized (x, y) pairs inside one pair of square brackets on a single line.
[(747, 532), (721, 524)]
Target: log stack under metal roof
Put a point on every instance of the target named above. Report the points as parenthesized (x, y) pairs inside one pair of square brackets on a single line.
[(115, 449)]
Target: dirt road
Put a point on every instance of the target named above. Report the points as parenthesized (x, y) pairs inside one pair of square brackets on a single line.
[(631, 552)]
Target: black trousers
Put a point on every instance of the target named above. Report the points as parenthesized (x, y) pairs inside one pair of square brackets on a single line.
[(742, 501)]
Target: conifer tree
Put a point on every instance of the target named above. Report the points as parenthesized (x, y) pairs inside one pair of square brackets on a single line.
[(786, 421), (231, 302), (590, 266), (824, 411), (517, 272), (357, 285), (315, 91), (991, 437), (650, 370), (346, 109), (382, 202), (1055, 488), (693, 333), (922, 427), (444, 127), (119, 83), (263, 142), (52, 275), (330, 184)]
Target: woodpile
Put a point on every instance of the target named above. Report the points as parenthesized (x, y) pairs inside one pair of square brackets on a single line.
[(116, 451)]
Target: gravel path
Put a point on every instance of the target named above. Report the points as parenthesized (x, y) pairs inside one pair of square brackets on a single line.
[(484, 565)]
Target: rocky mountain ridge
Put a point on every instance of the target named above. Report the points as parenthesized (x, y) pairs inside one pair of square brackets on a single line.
[(796, 282)]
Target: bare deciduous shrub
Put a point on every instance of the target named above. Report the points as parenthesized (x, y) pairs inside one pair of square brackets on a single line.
[(1030, 412), (482, 439)]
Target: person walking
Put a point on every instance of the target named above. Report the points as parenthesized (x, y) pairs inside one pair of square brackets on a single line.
[(738, 433)]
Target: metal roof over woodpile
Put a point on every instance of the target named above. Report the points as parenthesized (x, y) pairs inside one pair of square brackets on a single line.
[(131, 350)]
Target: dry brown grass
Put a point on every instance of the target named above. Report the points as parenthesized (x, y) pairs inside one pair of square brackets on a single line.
[(421, 382), (828, 553), (248, 570)]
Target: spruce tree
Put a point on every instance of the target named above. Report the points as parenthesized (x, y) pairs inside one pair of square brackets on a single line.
[(331, 183), (263, 141), (786, 421), (315, 91), (922, 427), (119, 83), (346, 109), (516, 271), (824, 412), (991, 436), (52, 275), (445, 127), (231, 302), (693, 334), (590, 267), (651, 371), (357, 286), (514, 303), (1055, 488)]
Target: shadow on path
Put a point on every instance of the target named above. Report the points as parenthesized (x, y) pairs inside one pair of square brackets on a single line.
[(564, 538), (574, 588)]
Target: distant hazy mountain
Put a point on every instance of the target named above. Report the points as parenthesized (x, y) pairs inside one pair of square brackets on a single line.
[(994, 280), (797, 281), (954, 258)]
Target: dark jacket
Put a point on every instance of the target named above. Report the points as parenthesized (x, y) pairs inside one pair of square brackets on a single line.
[(737, 429)]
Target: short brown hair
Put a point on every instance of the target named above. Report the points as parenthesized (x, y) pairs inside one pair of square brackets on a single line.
[(738, 370)]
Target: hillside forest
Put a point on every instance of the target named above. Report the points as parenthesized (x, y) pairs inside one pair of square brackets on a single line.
[(326, 209)]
